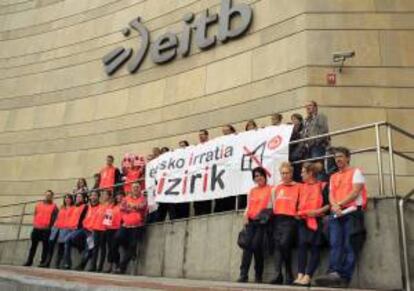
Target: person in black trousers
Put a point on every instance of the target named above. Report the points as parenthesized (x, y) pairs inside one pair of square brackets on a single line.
[(313, 204), (258, 200), (43, 219)]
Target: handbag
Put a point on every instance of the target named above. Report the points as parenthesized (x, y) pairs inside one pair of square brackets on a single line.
[(244, 239)]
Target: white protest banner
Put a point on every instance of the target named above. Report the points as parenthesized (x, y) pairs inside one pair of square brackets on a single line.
[(218, 168)]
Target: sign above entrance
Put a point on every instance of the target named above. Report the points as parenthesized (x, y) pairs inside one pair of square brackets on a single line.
[(170, 45)]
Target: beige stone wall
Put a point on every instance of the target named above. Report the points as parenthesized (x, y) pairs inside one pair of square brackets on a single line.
[(60, 115)]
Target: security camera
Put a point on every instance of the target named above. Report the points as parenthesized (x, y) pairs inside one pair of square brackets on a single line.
[(342, 56)]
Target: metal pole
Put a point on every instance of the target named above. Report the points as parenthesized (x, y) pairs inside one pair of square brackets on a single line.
[(404, 246), (21, 222), (391, 161), (379, 160)]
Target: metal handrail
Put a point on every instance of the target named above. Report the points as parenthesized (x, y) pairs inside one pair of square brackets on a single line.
[(61, 195), (375, 125), (378, 148), (403, 233), (400, 130), (400, 154), (353, 152), (339, 132)]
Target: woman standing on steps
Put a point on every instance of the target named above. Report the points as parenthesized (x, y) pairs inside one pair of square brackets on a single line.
[(313, 204), (60, 230), (257, 201)]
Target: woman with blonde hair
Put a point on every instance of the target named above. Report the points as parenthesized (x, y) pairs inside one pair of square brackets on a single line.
[(285, 198), (313, 204)]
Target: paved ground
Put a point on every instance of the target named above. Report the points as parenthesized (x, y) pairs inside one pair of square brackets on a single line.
[(23, 278)]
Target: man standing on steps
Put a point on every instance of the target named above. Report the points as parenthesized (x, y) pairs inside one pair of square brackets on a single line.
[(133, 211), (110, 175), (315, 124), (44, 216), (203, 207), (348, 199)]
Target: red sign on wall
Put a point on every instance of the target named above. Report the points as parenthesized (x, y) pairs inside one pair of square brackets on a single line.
[(331, 79)]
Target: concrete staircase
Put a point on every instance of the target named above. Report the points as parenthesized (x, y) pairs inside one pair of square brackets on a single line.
[(35, 279)]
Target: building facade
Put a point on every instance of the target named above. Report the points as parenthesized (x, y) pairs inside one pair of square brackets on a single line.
[(61, 114)]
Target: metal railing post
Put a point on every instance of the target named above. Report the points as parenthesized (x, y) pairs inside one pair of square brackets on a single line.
[(19, 229), (379, 160), (391, 161), (406, 263)]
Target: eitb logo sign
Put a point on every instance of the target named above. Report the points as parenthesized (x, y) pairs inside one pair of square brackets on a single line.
[(167, 46)]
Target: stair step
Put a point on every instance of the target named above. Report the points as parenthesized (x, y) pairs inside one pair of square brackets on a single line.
[(25, 278)]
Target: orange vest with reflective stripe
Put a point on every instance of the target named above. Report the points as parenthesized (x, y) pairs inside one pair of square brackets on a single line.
[(43, 214), (286, 199), (107, 177), (73, 218), (132, 217), (341, 186), (113, 217), (63, 216), (258, 200), (90, 217)]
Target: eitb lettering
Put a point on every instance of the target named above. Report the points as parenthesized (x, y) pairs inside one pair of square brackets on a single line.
[(167, 46)]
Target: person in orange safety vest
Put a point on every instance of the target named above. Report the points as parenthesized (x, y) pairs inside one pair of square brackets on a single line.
[(43, 219), (109, 175), (313, 204), (112, 222), (60, 230), (285, 198), (257, 201), (94, 228), (134, 208), (348, 200)]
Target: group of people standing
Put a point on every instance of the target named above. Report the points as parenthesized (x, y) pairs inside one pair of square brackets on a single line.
[(299, 210), (98, 225), (304, 214)]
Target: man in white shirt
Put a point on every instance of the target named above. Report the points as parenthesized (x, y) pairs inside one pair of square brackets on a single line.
[(348, 199)]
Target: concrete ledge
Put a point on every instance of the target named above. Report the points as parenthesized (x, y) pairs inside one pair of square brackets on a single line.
[(33, 279), (204, 248)]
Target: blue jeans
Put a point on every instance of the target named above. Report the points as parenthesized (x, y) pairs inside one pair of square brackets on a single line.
[(75, 238), (342, 257)]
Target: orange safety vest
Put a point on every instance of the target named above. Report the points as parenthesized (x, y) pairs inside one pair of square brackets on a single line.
[(310, 198), (286, 199), (43, 214), (341, 186), (132, 217), (90, 217), (63, 216), (258, 200), (74, 216), (113, 217), (99, 218), (107, 177), (131, 176)]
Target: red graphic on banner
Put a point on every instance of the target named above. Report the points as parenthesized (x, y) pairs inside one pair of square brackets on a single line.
[(274, 143), (257, 160)]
